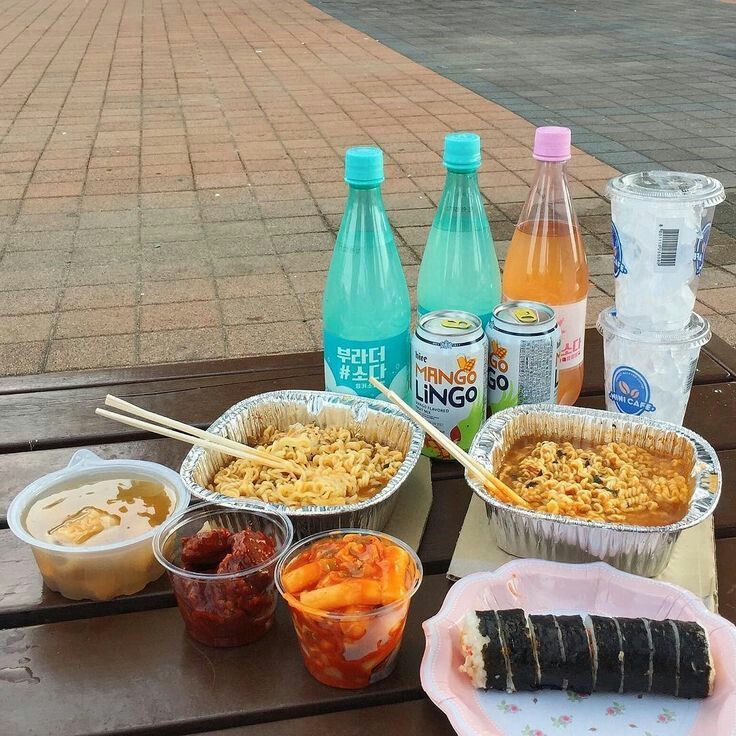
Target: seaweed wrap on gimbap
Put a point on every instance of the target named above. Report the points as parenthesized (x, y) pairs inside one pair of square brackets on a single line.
[(485, 659), (637, 648), (578, 667), (665, 657), (696, 668), (607, 653), (547, 642), (518, 643)]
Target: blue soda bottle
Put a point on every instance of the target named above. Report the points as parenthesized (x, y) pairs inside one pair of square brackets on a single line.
[(365, 309), (459, 268)]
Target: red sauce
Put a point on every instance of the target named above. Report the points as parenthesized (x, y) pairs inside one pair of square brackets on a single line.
[(230, 611), (360, 576)]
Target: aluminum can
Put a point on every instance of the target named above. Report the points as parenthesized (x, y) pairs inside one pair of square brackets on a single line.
[(524, 359), (449, 375)]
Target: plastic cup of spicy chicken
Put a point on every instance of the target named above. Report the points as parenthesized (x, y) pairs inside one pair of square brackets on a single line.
[(221, 564), (348, 592)]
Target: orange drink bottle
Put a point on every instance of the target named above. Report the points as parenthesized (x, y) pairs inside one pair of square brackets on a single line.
[(546, 261)]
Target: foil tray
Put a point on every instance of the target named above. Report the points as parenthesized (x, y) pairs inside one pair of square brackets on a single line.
[(375, 420), (642, 550)]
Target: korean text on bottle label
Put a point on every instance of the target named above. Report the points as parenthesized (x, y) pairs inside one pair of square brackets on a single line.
[(571, 319), (350, 363)]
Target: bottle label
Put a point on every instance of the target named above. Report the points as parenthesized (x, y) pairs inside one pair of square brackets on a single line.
[(350, 363), (484, 317), (571, 319)]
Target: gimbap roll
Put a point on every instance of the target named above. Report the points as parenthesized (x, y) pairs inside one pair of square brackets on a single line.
[(696, 668), (508, 650), (637, 649), (485, 660), (518, 644), (665, 657), (578, 667), (608, 655), (547, 642)]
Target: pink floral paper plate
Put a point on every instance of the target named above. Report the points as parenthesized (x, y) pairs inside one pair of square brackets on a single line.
[(538, 586)]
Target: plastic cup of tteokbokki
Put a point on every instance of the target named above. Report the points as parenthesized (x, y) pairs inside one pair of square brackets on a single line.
[(221, 563), (349, 592)]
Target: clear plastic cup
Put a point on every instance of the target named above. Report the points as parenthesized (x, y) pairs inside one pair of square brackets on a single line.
[(344, 650), (650, 373), (660, 223), (223, 609), (93, 572)]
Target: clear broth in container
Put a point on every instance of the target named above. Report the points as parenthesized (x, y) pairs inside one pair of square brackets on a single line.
[(612, 482), (101, 512)]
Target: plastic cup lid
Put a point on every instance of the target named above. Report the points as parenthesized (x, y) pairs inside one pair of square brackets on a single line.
[(668, 186), (84, 467), (695, 334)]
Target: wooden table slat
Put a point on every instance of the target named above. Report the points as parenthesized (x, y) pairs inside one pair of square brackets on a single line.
[(709, 370), (25, 601), (77, 668), (66, 418), (163, 371), (136, 671), (723, 354), (716, 364), (710, 412), (80, 667), (410, 718), (18, 469)]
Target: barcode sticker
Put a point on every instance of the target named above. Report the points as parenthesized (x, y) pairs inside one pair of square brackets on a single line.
[(668, 241), (671, 244), (691, 375)]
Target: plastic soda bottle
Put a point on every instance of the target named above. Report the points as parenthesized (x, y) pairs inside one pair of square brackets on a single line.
[(546, 261), (459, 268), (365, 309)]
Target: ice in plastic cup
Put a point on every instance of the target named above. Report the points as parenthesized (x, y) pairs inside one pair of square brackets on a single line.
[(226, 609), (95, 572), (650, 373), (660, 223), (343, 650)]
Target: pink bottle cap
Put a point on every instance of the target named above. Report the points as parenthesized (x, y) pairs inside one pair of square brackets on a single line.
[(552, 144)]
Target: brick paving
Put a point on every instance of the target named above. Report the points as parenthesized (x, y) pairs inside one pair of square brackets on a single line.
[(170, 175), (642, 85)]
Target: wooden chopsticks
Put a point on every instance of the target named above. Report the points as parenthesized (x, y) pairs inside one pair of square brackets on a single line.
[(497, 487), (192, 435)]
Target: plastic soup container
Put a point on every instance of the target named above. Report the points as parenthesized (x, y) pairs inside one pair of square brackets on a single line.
[(95, 572), (232, 603), (650, 373), (353, 645), (660, 223)]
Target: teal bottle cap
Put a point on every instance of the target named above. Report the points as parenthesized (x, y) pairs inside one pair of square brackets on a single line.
[(364, 166), (462, 151)]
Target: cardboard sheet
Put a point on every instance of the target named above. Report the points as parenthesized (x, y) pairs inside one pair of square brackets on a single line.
[(412, 507), (692, 565)]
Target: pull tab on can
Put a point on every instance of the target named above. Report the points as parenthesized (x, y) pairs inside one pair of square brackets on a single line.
[(456, 324), (526, 315)]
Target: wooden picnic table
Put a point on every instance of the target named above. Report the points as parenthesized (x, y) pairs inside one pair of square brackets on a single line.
[(126, 666)]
